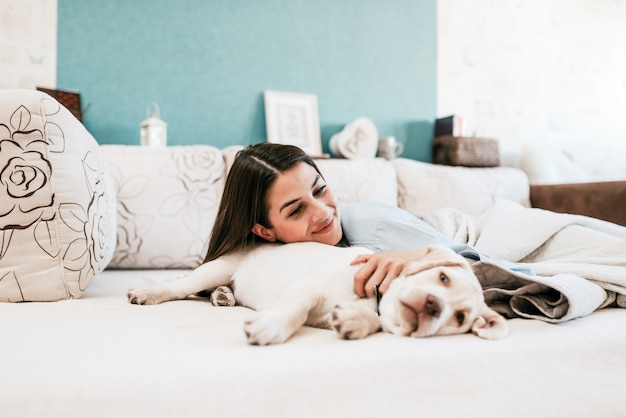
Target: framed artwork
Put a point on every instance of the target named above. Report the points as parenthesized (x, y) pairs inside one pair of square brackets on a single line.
[(293, 119)]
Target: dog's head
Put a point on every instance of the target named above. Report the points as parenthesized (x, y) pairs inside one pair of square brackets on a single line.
[(439, 295)]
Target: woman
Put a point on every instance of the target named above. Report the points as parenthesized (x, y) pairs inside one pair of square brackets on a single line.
[(276, 193)]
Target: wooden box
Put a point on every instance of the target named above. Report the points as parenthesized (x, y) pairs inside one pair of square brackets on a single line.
[(69, 99), (466, 151)]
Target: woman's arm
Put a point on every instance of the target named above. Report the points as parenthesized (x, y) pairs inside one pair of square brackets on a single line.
[(396, 237)]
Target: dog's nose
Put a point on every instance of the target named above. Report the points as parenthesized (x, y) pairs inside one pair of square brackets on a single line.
[(432, 306)]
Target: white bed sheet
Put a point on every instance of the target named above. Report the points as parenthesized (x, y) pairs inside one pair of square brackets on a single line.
[(100, 356)]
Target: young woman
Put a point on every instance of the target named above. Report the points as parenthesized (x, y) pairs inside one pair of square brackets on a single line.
[(276, 193)]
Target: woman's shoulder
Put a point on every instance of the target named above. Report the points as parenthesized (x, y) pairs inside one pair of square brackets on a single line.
[(370, 211), (383, 227), (373, 225)]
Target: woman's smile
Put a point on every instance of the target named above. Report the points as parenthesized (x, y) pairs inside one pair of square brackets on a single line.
[(327, 226)]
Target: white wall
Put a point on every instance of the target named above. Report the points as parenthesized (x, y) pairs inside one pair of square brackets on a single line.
[(28, 43), (540, 71)]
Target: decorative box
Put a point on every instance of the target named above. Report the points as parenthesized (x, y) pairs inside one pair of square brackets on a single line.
[(466, 151)]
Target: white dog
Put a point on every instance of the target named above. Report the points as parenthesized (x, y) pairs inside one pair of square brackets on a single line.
[(291, 285)]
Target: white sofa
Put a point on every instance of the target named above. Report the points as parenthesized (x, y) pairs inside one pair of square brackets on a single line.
[(130, 216)]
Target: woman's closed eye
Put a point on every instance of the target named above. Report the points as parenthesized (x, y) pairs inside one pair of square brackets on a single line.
[(320, 191), (300, 207), (296, 211)]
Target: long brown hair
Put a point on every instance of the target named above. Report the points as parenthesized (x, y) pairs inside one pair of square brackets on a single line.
[(243, 202)]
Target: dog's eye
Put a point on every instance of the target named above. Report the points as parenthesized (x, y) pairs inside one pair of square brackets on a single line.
[(444, 279), (460, 317)]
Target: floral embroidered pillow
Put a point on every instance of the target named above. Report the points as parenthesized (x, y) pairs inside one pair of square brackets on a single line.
[(57, 202), (167, 202)]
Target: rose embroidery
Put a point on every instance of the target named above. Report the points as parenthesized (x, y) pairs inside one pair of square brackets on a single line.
[(25, 192), (97, 227), (86, 253), (198, 175), (196, 170), (131, 226), (129, 239), (97, 231)]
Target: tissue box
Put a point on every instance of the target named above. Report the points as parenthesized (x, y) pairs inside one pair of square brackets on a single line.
[(466, 151)]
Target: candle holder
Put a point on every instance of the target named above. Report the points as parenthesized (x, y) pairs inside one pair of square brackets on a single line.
[(153, 130)]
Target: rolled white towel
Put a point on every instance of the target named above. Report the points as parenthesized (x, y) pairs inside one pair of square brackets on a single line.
[(358, 139)]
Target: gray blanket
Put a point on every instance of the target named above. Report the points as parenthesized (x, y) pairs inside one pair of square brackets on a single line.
[(578, 263)]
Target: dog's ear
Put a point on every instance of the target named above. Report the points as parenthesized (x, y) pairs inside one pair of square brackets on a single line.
[(436, 256), (490, 325)]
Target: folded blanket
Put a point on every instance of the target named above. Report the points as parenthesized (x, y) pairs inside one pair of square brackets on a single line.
[(578, 263)]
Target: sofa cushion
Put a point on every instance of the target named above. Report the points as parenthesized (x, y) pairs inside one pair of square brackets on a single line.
[(57, 203), (358, 180), (361, 180), (571, 161), (424, 188), (167, 202)]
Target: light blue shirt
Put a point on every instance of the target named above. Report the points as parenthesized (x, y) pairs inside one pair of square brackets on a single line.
[(381, 227)]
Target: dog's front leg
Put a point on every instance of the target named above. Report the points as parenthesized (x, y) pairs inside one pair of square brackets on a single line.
[(208, 276), (355, 320), (277, 325)]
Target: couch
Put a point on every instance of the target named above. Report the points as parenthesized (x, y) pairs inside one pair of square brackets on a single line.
[(107, 218), (599, 199), (571, 177)]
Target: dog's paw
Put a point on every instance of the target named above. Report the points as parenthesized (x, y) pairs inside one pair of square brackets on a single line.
[(223, 296), (143, 296), (267, 327), (352, 322)]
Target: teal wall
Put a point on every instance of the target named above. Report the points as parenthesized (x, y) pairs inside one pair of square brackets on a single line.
[(207, 63)]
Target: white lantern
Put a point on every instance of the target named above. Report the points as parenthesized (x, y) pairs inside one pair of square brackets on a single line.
[(153, 131)]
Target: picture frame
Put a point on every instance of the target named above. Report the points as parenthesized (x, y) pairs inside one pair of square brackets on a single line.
[(293, 119)]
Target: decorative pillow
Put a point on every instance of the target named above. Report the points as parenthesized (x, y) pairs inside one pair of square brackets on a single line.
[(547, 163), (361, 180), (57, 203), (358, 180), (167, 202), (424, 188)]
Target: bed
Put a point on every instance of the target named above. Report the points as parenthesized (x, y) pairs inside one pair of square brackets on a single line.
[(108, 218)]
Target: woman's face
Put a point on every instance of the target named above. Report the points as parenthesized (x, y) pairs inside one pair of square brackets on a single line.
[(301, 208)]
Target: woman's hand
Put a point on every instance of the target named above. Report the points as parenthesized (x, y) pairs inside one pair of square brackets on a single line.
[(380, 269)]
